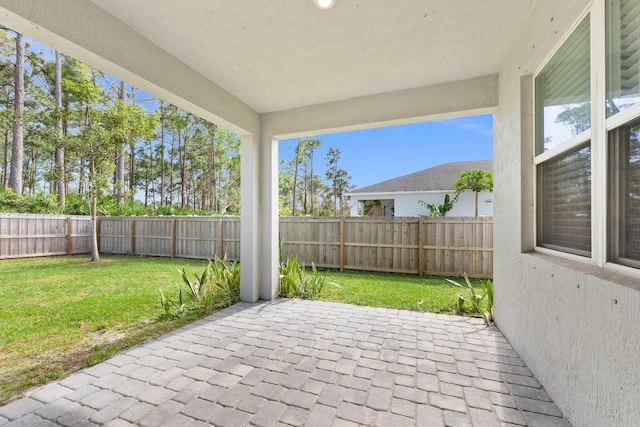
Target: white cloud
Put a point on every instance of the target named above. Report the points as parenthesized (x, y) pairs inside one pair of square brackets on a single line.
[(471, 125)]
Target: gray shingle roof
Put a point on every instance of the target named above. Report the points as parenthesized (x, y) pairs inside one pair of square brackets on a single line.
[(436, 178)]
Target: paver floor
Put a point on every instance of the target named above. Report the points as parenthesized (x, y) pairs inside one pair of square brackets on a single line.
[(294, 363)]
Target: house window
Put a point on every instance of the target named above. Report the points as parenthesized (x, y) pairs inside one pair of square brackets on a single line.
[(623, 141), (563, 153), (623, 36), (564, 201), (586, 205), (624, 195), (563, 93)]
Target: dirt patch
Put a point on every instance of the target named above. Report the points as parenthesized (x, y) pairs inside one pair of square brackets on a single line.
[(29, 372), (98, 338), (102, 262)]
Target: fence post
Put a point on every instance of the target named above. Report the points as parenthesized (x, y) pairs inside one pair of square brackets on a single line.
[(69, 243), (441, 248), (221, 253), (132, 232), (98, 233), (341, 244), (173, 238), (420, 248)]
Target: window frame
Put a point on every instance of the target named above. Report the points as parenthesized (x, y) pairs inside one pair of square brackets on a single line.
[(615, 202), (598, 135), (583, 138)]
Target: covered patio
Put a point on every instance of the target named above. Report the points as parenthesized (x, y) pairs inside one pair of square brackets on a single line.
[(295, 363), (285, 69)]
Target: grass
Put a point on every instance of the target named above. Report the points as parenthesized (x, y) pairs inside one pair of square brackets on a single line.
[(401, 291), (60, 314)]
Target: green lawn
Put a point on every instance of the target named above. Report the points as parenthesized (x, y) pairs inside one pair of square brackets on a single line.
[(401, 291), (60, 314)]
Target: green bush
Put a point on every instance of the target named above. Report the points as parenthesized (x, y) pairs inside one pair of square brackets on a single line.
[(217, 287), (40, 203), (164, 210), (75, 204), (9, 201), (296, 282), (475, 300)]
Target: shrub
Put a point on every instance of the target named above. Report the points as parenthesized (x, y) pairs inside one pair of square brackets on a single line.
[(76, 205), (164, 210), (9, 201), (217, 287), (225, 281), (469, 295), (40, 203), (440, 210), (295, 282)]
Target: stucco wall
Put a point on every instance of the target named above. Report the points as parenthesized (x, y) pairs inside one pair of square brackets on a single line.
[(576, 326), (407, 204)]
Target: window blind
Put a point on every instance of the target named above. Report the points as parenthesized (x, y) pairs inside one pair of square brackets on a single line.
[(565, 79), (624, 195), (563, 92), (623, 54), (564, 202)]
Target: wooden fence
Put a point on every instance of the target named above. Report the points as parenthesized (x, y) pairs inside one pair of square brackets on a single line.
[(181, 237), (43, 235), (442, 246)]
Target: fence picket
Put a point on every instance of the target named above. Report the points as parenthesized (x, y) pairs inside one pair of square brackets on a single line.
[(449, 246)]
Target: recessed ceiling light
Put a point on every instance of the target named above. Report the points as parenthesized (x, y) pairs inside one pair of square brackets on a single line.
[(324, 4)]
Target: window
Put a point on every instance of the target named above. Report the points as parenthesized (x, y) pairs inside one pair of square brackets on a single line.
[(563, 92), (564, 202), (624, 195), (570, 158), (623, 38), (623, 92), (563, 119)]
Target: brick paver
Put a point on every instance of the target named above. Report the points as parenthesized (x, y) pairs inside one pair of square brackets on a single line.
[(290, 363)]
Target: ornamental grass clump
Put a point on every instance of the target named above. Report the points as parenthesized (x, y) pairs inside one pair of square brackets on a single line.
[(480, 304), (217, 287), (296, 282)]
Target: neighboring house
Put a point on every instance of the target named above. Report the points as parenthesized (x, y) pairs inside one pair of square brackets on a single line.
[(401, 196)]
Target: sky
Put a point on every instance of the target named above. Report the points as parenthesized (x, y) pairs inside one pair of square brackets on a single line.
[(375, 155)]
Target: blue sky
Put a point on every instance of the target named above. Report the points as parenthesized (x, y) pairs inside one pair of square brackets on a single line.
[(375, 155)]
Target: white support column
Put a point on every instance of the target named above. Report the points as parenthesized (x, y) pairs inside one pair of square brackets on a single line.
[(598, 136), (250, 219), (269, 219)]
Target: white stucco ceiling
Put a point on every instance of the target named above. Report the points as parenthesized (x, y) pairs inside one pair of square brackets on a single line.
[(282, 54)]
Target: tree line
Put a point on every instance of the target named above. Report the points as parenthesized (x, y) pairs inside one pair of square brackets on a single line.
[(304, 191), (76, 140)]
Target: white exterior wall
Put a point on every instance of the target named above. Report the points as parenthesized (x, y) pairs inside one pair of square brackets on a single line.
[(406, 204), (576, 326)]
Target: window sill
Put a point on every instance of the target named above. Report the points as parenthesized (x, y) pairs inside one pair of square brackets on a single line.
[(620, 275)]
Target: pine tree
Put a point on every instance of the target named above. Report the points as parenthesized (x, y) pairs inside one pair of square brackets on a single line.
[(17, 151), (59, 160)]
